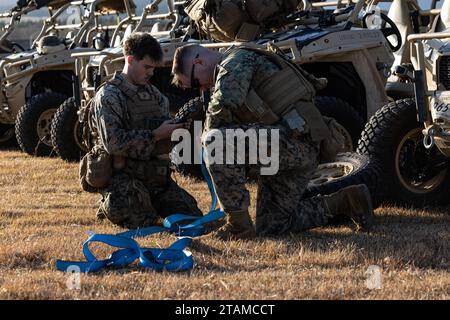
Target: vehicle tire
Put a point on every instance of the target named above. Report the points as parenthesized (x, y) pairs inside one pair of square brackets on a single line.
[(66, 132), (34, 121), (192, 170), (7, 136), (350, 168), (345, 115), (412, 175)]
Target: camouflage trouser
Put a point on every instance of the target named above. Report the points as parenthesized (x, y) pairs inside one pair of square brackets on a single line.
[(280, 208), (128, 202)]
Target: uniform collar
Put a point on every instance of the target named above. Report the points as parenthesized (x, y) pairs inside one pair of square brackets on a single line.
[(129, 86)]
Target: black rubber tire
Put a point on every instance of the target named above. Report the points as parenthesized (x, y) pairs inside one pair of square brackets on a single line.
[(381, 139), (191, 170), (66, 145), (364, 170), (27, 120), (344, 114)]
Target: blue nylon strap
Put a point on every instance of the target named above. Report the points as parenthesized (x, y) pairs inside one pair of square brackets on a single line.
[(210, 184), (173, 258), (194, 228)]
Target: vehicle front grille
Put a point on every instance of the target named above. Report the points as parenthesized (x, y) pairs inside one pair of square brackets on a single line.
[(444, 72)]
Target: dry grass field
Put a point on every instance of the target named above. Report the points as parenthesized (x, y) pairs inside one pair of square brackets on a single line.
[(45, 216)]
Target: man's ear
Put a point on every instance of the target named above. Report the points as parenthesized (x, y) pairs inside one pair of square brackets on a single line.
[(130, 59), (199, 61)]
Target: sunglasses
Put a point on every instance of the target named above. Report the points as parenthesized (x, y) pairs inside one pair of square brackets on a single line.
[(195, 84)]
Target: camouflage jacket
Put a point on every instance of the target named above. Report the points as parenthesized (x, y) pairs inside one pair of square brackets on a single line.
[(238, 71), (109, 119)]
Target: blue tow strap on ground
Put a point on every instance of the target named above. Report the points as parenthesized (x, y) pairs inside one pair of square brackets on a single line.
[(173, 258)]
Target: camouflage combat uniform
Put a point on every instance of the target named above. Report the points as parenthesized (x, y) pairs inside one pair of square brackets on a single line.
[(280, 207), (141, 188)]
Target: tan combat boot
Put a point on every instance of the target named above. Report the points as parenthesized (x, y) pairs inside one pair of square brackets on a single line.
[(354, 202), (239, 226)]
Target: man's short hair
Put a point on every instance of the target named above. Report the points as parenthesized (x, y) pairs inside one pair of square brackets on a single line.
[(179, 61), (140, 44)]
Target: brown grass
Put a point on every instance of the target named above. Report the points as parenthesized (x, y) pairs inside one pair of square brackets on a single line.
[(45, 216)]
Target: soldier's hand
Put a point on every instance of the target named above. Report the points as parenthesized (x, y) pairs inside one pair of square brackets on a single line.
[(164, 131)]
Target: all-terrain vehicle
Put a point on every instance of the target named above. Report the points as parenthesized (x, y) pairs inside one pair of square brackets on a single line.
[(35, 82), (9, 46), (411, 137)]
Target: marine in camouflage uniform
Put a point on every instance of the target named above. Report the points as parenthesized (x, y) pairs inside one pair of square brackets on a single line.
[(280, 207), (141, 189)]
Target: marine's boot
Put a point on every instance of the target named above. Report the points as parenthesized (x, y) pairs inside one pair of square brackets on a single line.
[(239, 226), (354, 202)]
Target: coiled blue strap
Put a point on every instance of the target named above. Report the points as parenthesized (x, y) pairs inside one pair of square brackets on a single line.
[(173, 258)]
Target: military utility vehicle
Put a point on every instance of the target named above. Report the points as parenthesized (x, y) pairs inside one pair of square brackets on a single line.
[(411, 137)]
